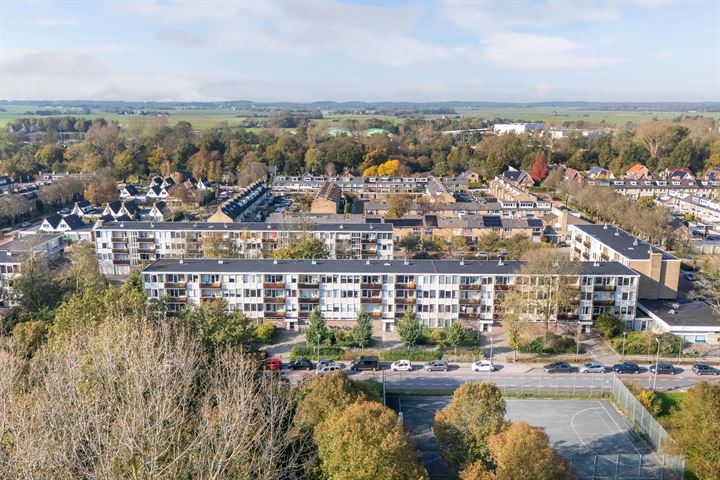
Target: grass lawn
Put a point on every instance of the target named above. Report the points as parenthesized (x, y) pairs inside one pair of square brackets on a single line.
[(671, 402)]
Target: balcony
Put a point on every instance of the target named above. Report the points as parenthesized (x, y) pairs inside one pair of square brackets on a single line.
[(311, 285), (405, 286), (375, 314), (371, 286), (120, 250), (604, 303), (470, 286), (309, 299), (499, 286), (469, 315), (279, 314), (469, 301), (146, 250), (586, 244), (146, 239), (370, 300), (274, 285), (209, 284), (605, 288), (405, 300), (182, 299), (121, 262), (119, 239), (174, 284), (399, 314), (568, 316), (274, 299)]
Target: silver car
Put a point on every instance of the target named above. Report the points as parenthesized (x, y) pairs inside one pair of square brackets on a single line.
[(436, 366), (592, 367)]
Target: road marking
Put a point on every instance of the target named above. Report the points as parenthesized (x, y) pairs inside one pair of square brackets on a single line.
[(572, 425)]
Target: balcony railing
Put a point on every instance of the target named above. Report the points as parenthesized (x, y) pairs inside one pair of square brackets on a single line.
[(568, 316), (375, 314), (209, 284), (500, 286), (310, 285), (604, 303), (174, 284), (274, 285), (371, 286), (146, 239), (274, 299), (279, 314), (309, 299), (407, 286), (605, 288), (370, 299), (405, 300), (470, 286), (469, 301)]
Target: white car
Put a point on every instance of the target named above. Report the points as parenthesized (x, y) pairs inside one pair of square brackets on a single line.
[(592, 367), (483, 366), (401, 366)]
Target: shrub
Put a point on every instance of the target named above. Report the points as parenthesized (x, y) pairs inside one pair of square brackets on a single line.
[(646, 397), (435, 336), (333, 353), (265, 333), (609, 325), (339, 337), (553, 344), (643, 343), (414, 355)]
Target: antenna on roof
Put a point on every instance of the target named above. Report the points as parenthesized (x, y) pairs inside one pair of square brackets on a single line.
[(405, 262), (462, 261), (605, 226), (635, 242)]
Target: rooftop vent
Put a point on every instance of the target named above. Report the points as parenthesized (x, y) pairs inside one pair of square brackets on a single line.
[(367, 262), (462, 261), (635, 242), (220, 262), (500, 262), (342, 226), (122, 224), (406, 262), (387, 264), (596, 263), (224, 225), (617, 232), (268, 226), (605, 227), (182, 261), (313, 261), (672, 312), (275, 262), (194, 225)]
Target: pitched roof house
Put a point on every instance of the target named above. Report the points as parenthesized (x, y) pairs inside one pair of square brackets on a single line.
[(638, 172), (119, 208)]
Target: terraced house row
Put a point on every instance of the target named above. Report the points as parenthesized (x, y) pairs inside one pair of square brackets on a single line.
[(121, 246), (285, 292)]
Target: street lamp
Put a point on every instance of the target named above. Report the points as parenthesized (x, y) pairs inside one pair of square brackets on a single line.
[(491, 347), (657, 360), (624, 338)]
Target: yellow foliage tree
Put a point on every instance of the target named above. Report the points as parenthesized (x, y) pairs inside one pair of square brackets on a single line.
[(389, 168), (370, 171)]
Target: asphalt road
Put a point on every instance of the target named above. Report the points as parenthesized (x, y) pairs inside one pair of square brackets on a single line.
[(531, 381)]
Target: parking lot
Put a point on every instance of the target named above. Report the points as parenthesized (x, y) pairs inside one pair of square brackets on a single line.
[(591, 434)]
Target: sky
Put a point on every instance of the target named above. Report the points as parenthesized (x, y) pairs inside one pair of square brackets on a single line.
[(482, 50)]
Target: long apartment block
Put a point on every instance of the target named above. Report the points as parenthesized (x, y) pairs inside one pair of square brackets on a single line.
[(659, 271), (122, 246), (285, 292)]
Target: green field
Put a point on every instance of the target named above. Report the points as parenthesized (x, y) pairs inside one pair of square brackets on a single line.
[(203, 119)]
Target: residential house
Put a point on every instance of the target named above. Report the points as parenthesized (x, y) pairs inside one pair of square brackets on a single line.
[(243, 206), (638, 172), (128, 192), (15, 253), (121, 208), (328, 199), (70, 226)]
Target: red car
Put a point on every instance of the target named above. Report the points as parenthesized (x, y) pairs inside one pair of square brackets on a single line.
[(274, 364)]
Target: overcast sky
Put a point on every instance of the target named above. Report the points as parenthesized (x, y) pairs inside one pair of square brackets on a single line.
[(342, 50)]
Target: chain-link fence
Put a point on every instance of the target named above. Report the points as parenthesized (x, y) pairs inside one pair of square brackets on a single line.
[(646, 425), (622, 467)]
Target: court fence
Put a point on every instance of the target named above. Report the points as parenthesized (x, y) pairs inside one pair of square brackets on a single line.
[(645, 424), (622, 467)]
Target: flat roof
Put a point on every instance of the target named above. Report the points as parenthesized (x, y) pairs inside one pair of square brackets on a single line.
[(247, 226), (622, 242), (689, 314), (468, 267)]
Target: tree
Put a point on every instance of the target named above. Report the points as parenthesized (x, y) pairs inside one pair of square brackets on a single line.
[(323, 395), (101, 190), (370, 172), (316, 331), (38, 288), (219, 329), (398, 204), (389, 169), (520, 452), (454, 335), (540, 168), (366, 441), (362, 331), (646, 202), (308, 247), (29, 336), (711, 274), (84, 272), (698, 432), (609, 325), (410, 330), (462, 429), (411, 244), (159, 161), (123, 164), (547, 283)]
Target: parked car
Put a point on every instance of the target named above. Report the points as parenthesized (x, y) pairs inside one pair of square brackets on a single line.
[(274, 364), (329, 369), (365, 363), (25, 224), (690, 276), (324, 362), (301, 364), (435, 365), (626, 367), (592, 367), (558, 367), (702, 369), (401, 366), (663, 368), (483, 366)]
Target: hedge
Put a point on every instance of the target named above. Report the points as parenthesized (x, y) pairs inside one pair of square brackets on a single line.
[(414, 355), (333, 353), (555, 344)]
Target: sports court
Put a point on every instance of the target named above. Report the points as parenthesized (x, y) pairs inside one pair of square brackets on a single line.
[(591, 434)]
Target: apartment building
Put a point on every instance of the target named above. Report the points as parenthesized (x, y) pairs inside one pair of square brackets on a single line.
[(285, 292), (704, 210), (635, 189), (361, 187), (503, 208), (659, 271), (15, 253), (121, 246), (511, 191)]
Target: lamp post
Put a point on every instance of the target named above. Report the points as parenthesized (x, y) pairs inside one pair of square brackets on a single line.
[(491, 348), (318, 347), (624, 338), (657, 360)]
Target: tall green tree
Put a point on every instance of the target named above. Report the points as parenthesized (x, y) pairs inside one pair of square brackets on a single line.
[(316, 332), (366, 441), (362, 331), (698, 432), (84, 272), (307, 248), (454, 335), (462, 429), (410, 330), (219, 328)]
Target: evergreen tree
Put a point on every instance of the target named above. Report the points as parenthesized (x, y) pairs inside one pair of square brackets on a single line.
[(409, 328), (317, 331), (362, 331)]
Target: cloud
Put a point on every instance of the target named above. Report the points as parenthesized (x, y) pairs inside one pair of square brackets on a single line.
[(532, 51), (55, 22), (181, 37), (541, 89)]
